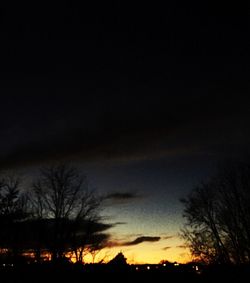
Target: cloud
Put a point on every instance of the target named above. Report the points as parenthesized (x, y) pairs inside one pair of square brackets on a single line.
[(182, 246), (166, 248), (168, 237), (69, 118), (137, 241), (114, 135), (101, 227), (140, 240), (119, 223), (134, 235), (121, 196)]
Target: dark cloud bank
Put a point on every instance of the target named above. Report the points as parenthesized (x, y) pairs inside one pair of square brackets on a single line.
[(84, 87)]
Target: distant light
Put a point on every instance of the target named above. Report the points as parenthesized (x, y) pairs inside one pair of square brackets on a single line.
[(164, 264), (197, 268), (176, 264), (4, 264), (148, 267), (137, 268)]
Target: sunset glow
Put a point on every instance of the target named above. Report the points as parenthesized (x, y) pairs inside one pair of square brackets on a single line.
[(143, 254), (125, 140)]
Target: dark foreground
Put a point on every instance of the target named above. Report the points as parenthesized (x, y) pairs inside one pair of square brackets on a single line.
[(74, 274)]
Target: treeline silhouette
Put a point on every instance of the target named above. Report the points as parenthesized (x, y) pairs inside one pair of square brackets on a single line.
[(217, 216), (57, 218), (57, 215)]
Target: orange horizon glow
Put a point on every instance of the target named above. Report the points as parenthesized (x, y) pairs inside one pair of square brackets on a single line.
[(146, 253)]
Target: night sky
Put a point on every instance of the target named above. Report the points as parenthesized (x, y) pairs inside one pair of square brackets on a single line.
[(145, 100)]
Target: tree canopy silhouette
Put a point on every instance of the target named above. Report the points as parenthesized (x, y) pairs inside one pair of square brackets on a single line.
[(58, 217), (218, 217), (61, 197), (14, 212)]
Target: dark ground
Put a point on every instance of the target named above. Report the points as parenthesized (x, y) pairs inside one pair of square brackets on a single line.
[(72, 275)]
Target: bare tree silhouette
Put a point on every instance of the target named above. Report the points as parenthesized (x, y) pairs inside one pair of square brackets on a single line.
[(218, 216), (67, 208)]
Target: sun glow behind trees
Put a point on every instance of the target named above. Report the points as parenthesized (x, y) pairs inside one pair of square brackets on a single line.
[(59, 211), (144, 253)]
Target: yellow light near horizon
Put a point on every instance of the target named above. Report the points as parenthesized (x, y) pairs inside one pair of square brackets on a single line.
[(142, 254)]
